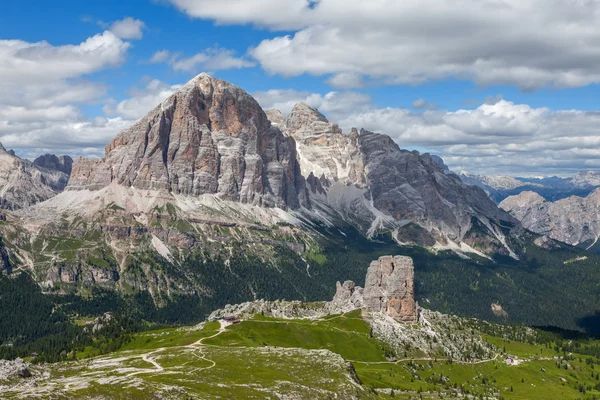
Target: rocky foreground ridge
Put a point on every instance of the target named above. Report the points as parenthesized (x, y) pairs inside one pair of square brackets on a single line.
[(574, 220)]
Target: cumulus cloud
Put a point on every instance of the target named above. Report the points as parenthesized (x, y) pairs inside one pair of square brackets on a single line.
[(333, 103), (283, 14), (128, 28), (212, 59), (42, 87), (24, 63), (160, 56), (499, 138), (527, 43), (68, 136), (422, 104), (142, 100)]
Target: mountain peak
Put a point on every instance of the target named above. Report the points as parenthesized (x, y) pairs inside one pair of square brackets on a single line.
[(209, 137), (306, 112)]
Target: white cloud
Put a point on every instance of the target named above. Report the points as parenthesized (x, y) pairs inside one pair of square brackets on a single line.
[(422, 104), (212, 59), (499, 138), (269, 13), (347, 80), (42, 87), (24, 63), (84, 137), (528, 43), (128, 28), (333, 103), (160, 56), (143, 101)]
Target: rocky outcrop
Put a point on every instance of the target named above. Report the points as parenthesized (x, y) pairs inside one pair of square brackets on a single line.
[(23, 183), (574, 220), (390, 288), (62, 164), (210, 137), (81, 273), (89, 174), (348, 296)]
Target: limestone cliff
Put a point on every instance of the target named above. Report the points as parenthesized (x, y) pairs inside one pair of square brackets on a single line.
[(23, 183), (574, 220), (210, 137), (377, 186), (389, 289)]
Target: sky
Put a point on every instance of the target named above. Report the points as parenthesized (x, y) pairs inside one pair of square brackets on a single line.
[(501, 87)]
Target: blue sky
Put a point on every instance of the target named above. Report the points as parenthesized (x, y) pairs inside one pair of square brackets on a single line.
[(486, 86)]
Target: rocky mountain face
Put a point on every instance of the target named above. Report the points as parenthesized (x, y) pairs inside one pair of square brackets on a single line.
[(389, 289), (23, 183), (208, 178), (210, 137), (551, 188), (377, 186), (63, 164), (574, 220), (586, 179)]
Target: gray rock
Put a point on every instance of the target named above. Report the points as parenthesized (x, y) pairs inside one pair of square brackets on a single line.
[(50, 161), (389, 288), (210, 137), (574, 220), (23, 183)]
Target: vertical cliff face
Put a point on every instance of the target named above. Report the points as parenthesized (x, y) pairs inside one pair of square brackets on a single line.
[(376, 185), (322, 148), (574, 220), (210, 137), (390, 288)]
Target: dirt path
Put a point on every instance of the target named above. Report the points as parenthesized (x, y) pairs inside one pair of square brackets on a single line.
[(197, 346), (424, 359)]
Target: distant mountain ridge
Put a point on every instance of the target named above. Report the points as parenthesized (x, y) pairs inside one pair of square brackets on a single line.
[(24, 183), (574, 220), (551, 188)]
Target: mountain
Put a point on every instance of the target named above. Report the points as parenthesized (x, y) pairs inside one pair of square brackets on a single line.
[(496, 182), (23, 183), (63, 164), (551, 188), (210, 137), (574, 220), (586, 179), (371, 183), (206, 202)]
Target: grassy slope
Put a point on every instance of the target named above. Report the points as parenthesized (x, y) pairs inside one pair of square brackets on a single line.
[(261, 356)]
